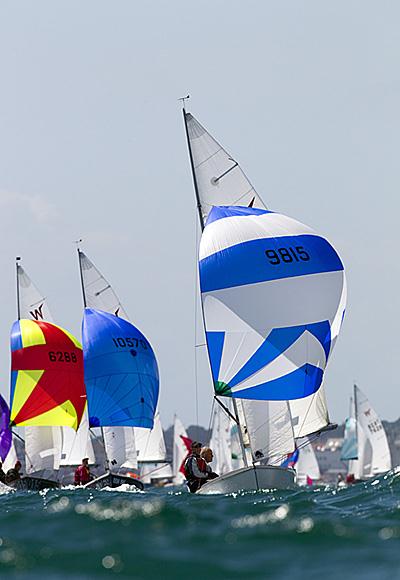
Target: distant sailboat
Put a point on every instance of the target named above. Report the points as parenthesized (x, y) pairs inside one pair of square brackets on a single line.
[(181, 449), (121, 375), (152, 454), (307, 468), (316, 277), (365, 444)]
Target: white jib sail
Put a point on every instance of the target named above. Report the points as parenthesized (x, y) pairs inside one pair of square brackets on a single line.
[(373, 453), (307, 467), (43, 450), (11, 458), (220, 442), (180, 451), (269, 429), (77, 444), (120, 447)]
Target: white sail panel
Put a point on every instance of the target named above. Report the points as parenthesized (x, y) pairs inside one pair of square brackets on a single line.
[(220, 441), (155, 472), (120, 447), (180, 451), (360, 468), (307, 467), (11, 458), (98, 292), (150, 444), (43, 449), (32, 303), (77, 444), (270, 430), (284, 348), (310, 414), (220, 179)]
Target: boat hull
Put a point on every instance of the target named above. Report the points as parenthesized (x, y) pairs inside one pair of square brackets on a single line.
[(29, 483), (252, 478), (113, 480)]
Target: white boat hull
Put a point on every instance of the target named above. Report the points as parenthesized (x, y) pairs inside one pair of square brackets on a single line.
[(252, 478)]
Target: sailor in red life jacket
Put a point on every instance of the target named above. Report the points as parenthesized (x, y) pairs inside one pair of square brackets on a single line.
[(196, 469), (82, 473)]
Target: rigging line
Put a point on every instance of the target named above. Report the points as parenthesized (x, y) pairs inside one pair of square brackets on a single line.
[(195, 333), (227, 411)]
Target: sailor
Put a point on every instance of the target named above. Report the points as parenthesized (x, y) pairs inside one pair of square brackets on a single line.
[(82, 473), (14, 473), (2, 474), (207, 456)]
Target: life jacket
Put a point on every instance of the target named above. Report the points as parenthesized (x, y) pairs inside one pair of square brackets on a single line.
[(201, 464), (82, 475)]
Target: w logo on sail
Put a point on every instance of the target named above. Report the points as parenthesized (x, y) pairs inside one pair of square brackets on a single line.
[(37, 314)]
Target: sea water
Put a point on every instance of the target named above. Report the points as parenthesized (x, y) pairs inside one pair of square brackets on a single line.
[(320, 532)]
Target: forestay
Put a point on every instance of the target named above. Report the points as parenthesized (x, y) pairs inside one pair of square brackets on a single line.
[(121, 373), (47, 385), (272, 293)]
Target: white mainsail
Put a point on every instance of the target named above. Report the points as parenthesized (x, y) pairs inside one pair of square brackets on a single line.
[(120, 447), (42, 444), (98, 291), (372, 445), (307, 467), (152, 453), (11, 458), (180, 451)]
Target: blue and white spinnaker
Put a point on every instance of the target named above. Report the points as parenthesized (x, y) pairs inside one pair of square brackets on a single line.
[(273, 295)]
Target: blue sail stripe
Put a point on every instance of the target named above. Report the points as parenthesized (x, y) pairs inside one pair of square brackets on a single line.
[(215, 343), (247, 263), (220, 212), (298, 384)]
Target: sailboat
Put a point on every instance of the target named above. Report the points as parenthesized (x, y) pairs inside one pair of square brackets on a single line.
[(121, 376), (307, 468), (48, 450), (365, 444), (47, 388), (237, 345), (181, 449), (154, 468)]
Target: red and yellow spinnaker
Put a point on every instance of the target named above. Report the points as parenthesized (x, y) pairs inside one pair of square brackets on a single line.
[(47, 385)]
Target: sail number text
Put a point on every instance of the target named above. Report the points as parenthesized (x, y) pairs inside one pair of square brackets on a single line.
[(129, 342), (287, 255), (62, 356)]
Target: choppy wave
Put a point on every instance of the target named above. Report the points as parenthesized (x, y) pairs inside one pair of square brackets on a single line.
[(350, 532)]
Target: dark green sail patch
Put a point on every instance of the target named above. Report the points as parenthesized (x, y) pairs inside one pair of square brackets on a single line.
[(222, 389)]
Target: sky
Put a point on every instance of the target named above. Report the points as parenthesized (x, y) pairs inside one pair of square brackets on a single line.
[(305, 95)]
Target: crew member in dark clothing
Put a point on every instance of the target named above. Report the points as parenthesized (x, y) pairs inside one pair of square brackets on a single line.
[(196, 469), (14, 473)]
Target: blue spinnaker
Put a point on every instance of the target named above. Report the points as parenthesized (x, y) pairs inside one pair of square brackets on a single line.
[(5, 431), (121, 372)]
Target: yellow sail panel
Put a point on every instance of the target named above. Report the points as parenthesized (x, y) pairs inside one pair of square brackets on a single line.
[(70, 336), (25, 383), (31, 333), (64, 416)]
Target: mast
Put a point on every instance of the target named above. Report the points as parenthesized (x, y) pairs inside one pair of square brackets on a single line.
[(201, 218), (196, 189), (82, 284), (355, 413), (17, 259)]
